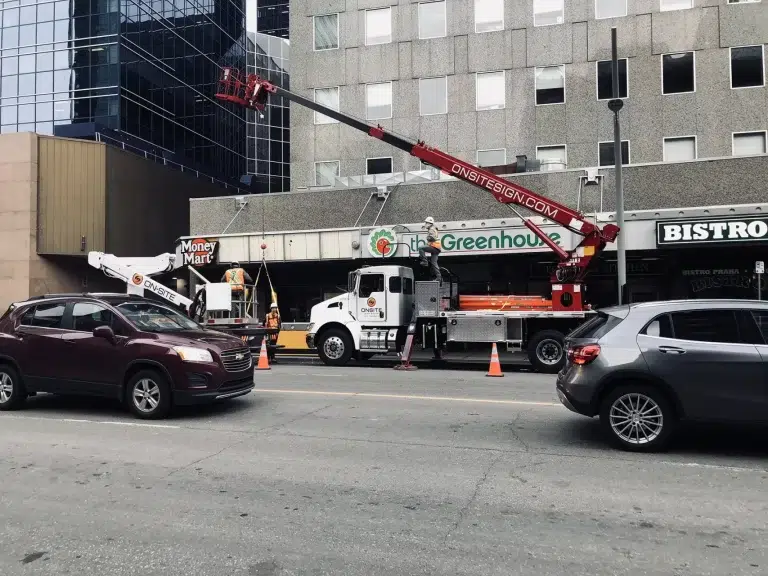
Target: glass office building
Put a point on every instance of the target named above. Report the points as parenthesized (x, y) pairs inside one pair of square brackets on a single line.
[(272, 17), (143, 68)]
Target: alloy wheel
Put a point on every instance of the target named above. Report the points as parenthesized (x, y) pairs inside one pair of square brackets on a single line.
[(146, 395), (6, 387), (636, 418)]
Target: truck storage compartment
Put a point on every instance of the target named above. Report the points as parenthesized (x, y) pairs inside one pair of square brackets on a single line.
[(378, 339), (477, 329)]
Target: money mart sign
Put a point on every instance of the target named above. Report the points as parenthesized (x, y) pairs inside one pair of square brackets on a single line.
[(485, 241)]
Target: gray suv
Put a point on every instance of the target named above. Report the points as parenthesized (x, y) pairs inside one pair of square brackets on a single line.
[(644, 367)]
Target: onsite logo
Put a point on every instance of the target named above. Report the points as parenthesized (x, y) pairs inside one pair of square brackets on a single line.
[(137, 279), (371, 302), (381, 243), (198, 251)]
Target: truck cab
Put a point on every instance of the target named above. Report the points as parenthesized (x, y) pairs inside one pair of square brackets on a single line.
[(367, 319)]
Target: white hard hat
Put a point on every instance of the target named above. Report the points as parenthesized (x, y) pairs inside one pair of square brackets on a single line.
[(429, 220), (273, 305)]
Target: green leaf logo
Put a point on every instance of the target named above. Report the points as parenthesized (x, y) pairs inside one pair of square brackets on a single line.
[(380, 243)]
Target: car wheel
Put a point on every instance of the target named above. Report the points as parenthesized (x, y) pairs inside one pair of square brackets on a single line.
[(12, 391), (546, 351), (637, 418), (335, 347), (148, 395)]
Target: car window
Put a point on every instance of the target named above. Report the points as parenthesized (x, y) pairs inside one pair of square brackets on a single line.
[(151, 317), (44, 315), (660, 327), (706, 326), (761, 319), (395, 284), (86, 316), (596, 327), (370, 283)]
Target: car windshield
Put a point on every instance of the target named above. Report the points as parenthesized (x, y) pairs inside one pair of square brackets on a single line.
[(151, 317)]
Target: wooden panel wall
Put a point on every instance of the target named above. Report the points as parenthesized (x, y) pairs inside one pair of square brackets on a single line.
[(71, 196)]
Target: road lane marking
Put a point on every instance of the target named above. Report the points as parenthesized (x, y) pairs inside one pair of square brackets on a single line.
[(408, 397), (86, 421)]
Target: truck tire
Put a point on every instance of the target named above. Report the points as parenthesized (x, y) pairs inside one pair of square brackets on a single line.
[(335, 347), (546, 351)]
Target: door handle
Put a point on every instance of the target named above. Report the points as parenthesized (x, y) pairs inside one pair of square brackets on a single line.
[(671, 350)]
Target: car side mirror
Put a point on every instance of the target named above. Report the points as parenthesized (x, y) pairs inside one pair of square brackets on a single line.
[(105, 332)]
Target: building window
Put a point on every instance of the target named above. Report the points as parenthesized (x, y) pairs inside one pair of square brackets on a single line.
[(606, 157), (669, 5), (378, 26), (432, 20), (678, 73), (489, 90), (378, 101), (492, 157), (433, 96), (743, 1), (327, 97), (610, 9), (489, 15), (552, 157), (747, 69), (548, 12), (550, 85), (680, 148), (326, 172), (605, 79), (748, 143), (378, 165), (326, 32)]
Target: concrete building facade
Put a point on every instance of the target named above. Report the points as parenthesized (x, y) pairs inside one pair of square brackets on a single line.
[(488, 79)]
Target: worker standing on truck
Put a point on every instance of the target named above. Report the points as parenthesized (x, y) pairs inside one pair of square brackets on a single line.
[(236, 277), (433, 247), (273, 322)]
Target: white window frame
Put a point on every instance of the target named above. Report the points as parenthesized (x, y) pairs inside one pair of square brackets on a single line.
[(629, 153), (535, 89), (314, 97), (662, 9), (626, 11), (365, 26), (661, 64), (730, 66), (391, 164), (445, 79), (314, 176), (743, 2), (563, 146), (338, 34), (445, 19), (503, 22), (477, 155), (684, 137), (745, 132), (391, 102), (503, 92), (597, 88), (562, 15)]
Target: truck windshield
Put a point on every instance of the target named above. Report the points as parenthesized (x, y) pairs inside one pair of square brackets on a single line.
[(151, 317)]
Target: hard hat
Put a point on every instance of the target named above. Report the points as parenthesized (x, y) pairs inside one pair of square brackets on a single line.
[(429, 220), (235, 264), (274, 305)]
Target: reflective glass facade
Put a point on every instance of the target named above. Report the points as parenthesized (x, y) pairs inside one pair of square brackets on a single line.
[(145, 67), (272, 17)]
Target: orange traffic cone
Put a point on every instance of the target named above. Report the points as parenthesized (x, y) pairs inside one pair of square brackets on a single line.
[(495, 368), (263, 360)]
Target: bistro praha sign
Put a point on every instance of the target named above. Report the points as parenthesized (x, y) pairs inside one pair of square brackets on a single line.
[(712, 231)]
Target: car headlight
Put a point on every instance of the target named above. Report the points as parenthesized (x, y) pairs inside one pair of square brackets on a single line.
[(189, 354)]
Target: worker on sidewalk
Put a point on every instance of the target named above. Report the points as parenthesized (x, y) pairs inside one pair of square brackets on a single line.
[(433, 248), (236, 277), (273, 322)]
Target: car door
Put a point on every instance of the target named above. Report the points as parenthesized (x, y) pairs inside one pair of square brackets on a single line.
[(701, 355), (94, 365), (40, 330)]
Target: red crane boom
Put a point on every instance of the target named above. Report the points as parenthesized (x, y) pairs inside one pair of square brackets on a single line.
[(252, 91)]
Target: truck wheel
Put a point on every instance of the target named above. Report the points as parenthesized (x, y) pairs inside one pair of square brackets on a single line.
[(546, 351), (335, 347)]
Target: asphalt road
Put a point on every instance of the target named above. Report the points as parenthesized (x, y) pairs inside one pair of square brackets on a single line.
[(369, 471)]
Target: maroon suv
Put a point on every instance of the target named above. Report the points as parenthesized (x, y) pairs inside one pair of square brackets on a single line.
[(117, 346)]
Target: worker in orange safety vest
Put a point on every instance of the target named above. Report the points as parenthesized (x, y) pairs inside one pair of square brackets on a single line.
[(236, 277), (433, 248), (273, 321)]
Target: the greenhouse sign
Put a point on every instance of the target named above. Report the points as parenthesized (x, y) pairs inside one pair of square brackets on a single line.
[(494, 241)]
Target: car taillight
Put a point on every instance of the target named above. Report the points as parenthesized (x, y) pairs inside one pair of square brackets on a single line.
[(583, 354)]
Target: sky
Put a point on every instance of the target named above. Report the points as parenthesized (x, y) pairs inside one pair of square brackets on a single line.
[(250, 15)]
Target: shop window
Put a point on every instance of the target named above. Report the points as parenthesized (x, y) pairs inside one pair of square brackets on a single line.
[(747, 68), (749, 143), (326, 32), (432, 20), (378, 165), (550, 85), (605, 79), (678, 73), (548, 12), (706, 326), (378, 26), (607, 157), (489, 15)]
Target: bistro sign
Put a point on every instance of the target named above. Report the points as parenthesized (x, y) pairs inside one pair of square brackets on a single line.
[(712, 231)]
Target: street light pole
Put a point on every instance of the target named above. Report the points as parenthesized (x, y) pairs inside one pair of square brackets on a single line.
[(615, 105)]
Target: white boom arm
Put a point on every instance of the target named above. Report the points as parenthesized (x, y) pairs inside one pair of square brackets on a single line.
[(136, 272)]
